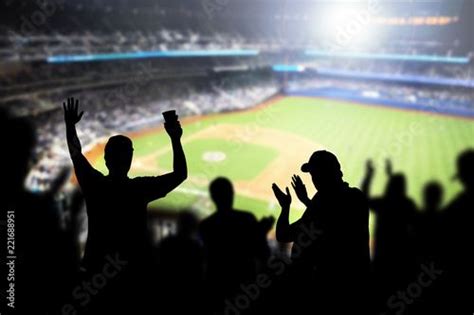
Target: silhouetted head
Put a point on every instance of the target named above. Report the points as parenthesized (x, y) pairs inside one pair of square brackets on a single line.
[(396, 186), (18, 138), (187, 223), (222, 193), (324, 168), (433, 196), (118, 155), (465, 169)]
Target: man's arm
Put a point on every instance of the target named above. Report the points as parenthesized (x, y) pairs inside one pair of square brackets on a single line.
[(369, 175), (283, 227), (180, 169), (71, 118), (161, 185), (374, 203)]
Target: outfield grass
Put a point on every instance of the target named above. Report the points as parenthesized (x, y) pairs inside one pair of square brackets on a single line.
[(423, 146)]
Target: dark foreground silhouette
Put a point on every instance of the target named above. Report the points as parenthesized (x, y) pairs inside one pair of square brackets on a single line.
[(330, 255), (235, 245), (459, 249), (43, 251), (116, 209), (181, 264), (394, 260)]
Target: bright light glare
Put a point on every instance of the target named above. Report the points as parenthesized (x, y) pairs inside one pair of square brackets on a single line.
[(347, 27)]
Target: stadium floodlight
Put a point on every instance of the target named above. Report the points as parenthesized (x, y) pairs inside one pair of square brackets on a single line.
[(346, 25), (335, 16)]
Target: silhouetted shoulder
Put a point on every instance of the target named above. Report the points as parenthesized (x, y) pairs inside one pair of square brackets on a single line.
[(87, 176), (356, 195), (152, 187), (459, 210), (357, 204), (207, 225), (245, 215), (411, 204), (205, 222)]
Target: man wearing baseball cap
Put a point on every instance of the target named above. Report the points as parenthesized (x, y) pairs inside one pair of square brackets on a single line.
[(330, 253)]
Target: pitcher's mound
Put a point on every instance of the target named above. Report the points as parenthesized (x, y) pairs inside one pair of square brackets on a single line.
[(214, 156)]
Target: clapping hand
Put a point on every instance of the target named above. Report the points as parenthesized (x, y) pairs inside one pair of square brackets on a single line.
[(300, 190), (283, 199)]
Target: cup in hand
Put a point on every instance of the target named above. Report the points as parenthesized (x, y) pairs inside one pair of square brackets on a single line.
[(170, 116)]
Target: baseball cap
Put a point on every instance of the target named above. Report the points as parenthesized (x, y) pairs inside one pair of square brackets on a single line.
[(321, 159)]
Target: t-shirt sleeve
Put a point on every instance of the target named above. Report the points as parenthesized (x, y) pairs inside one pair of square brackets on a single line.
[(151, 187)]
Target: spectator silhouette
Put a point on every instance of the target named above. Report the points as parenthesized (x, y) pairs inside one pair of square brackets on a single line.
[(330, 254), (429, 242), (42, 267), (394, 257), (432, 197), (233, 244), (428, 224), (182, 267), (459, 254), (116, 210), (15, 165)]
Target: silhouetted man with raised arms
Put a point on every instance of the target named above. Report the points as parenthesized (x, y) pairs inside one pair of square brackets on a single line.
[(330, 254), (394, 264), (117, 204)]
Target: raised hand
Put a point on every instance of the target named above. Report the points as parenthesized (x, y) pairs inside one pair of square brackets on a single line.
[(283, 199), (174, 130), (71, 115), (300, 190), (369, 168)]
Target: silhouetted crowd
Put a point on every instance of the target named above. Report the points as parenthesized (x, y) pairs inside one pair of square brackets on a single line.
[(422, 260)]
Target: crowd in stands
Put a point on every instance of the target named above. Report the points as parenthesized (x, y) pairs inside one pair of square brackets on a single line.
[(39, 47), (431, 98), (102, 27), (419, 69), (30, 47)]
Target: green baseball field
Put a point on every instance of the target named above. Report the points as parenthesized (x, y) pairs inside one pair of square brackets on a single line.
[(267, 144)]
